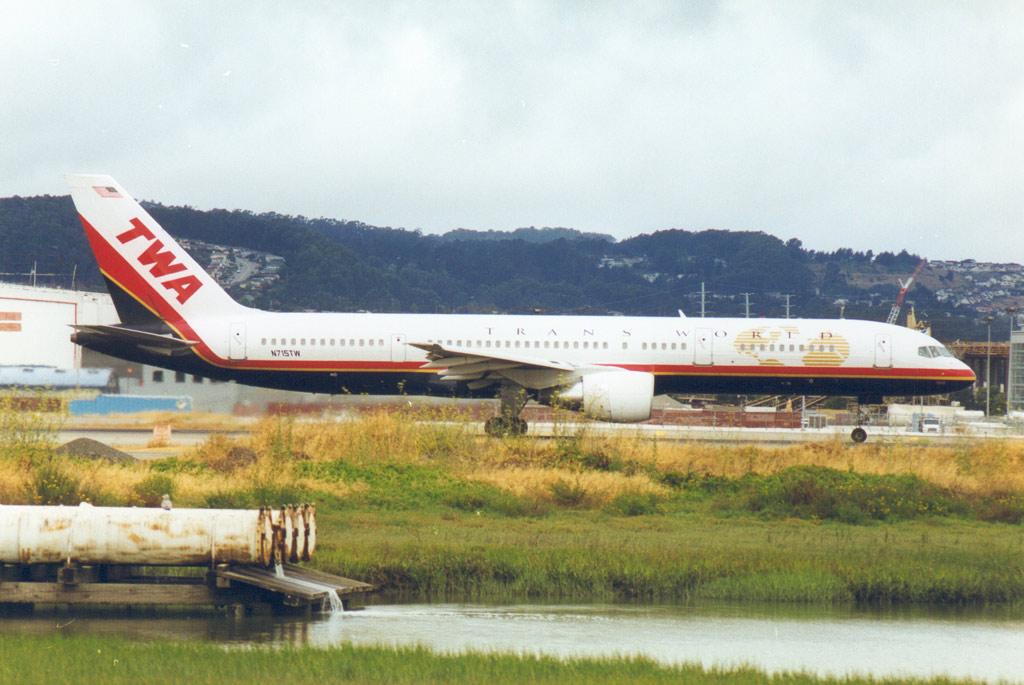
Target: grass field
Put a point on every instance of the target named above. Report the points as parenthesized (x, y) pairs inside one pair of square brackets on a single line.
[(110, 661), (429, 510)]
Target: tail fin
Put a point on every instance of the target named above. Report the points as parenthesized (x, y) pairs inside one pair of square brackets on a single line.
[(151, 279)]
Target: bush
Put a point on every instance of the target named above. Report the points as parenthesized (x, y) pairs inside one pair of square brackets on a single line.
[(568, 494), (51, 484), (634, 504), (150, 490), (824, 493)]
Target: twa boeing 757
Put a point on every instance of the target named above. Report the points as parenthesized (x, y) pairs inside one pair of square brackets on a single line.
[(174, 315)]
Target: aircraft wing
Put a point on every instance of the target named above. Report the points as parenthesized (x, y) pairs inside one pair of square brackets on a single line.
[(151, 342), (479, 367)]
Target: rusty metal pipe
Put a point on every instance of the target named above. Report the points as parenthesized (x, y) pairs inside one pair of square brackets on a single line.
[(122, 535)]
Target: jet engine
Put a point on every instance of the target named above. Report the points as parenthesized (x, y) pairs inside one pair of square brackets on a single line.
[(614, 395)]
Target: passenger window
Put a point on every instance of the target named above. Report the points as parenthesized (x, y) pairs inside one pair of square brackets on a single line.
[(158, 376), (362, 342), (273, 341), (625, 345), (545, 344), (643, 346), (263, 341)]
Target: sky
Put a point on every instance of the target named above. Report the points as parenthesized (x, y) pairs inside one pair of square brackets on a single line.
[(870, 125)]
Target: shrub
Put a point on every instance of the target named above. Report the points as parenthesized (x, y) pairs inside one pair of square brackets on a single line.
[(634, 504), (51, 484), (150, 490), (824, 493), (568, 494)]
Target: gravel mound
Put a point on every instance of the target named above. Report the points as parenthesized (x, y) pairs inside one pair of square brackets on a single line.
[(87, 448)]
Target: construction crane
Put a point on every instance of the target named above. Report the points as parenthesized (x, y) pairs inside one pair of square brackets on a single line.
[(903, 293)]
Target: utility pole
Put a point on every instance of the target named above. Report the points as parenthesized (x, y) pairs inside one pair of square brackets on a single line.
[(988, 363), (1010, 312), (746, 300), (787, 305), (702, 299)]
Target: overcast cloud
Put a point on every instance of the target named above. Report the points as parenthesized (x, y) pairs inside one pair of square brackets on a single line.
[(871, 125)]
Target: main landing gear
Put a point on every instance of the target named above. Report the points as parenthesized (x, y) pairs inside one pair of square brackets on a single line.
[(858, 434), (508, 423)]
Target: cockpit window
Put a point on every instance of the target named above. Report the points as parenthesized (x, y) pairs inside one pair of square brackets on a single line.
[(931, 351)]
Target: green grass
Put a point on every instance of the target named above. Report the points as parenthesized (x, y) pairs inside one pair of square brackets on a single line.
[(111, 661), (599, 556)]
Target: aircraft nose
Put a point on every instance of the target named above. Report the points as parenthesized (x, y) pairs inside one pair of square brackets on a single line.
[(968, 372)]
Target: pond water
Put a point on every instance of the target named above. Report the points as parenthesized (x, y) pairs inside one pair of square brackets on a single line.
[(980, 643)]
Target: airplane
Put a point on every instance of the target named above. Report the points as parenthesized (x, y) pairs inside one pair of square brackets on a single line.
[(175, 316)]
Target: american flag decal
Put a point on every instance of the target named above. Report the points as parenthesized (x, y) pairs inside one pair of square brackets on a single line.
[(106, 191)]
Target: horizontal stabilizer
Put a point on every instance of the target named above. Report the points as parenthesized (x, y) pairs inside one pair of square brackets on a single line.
[(153, 342)]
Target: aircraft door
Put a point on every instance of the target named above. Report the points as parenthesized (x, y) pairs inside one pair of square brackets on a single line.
[(236, 342), (883, 351), (397, 347), (703, 347)]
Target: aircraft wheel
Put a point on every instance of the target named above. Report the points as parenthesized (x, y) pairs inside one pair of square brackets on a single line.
[(858, 435), (517, 427), (500, 427)]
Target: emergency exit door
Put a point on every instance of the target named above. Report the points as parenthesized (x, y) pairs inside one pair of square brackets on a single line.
[(883, 351), (236, 342), (703, 347)]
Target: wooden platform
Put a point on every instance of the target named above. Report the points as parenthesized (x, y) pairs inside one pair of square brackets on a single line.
[(239, 588)]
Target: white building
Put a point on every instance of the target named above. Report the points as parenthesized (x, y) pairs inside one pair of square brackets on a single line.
[(35, 324)]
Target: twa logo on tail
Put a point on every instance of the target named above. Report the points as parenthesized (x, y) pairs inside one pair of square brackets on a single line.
[(161, 262)]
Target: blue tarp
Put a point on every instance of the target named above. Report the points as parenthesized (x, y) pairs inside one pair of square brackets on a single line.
[(130, 404)]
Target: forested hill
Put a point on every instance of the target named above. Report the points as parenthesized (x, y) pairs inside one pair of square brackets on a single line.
[(348, 265)]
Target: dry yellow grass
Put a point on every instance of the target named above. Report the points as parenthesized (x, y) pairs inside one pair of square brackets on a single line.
[(603, 467), (530, 465)]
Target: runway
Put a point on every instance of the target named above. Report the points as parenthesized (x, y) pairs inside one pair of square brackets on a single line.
[(139, 442)]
